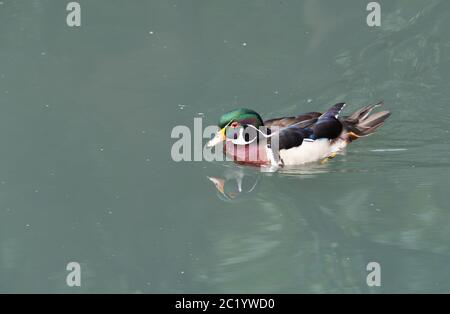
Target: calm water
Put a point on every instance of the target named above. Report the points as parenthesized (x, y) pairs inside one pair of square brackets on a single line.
[(85, 167)]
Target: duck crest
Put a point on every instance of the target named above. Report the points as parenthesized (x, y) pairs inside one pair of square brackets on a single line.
[(242, 115)]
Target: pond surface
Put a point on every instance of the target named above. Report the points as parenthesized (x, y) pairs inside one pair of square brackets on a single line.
[(85, 129)]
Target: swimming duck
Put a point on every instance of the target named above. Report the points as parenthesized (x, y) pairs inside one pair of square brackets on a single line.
[(296, 140)]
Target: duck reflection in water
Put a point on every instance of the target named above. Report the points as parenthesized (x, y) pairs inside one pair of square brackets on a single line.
[(234, 183), (237, 182)]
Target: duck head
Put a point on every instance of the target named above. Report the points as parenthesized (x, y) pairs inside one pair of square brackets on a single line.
[(233, 124)]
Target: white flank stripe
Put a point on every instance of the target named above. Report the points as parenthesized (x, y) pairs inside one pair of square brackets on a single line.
[(310, 151)]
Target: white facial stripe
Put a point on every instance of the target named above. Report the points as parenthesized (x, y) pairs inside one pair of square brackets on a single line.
[(241, 139), (260, 132)]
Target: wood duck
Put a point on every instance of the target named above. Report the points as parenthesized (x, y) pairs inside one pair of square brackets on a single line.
[(306, 138)]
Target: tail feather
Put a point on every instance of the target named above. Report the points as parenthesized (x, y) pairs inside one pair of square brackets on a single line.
[(363, 122), (333, 111)]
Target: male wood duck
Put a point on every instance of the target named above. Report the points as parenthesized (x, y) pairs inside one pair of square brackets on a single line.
[(309, 137)]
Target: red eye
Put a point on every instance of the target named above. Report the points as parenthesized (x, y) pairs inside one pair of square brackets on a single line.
[(234, 124)]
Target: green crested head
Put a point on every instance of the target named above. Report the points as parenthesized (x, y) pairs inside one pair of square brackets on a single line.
[(232, 124), (242, 116)]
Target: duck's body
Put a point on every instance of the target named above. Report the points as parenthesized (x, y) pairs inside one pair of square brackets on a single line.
[(306, 138), (311, 151)]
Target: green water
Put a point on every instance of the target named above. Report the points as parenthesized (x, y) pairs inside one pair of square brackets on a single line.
[(85, 167)]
